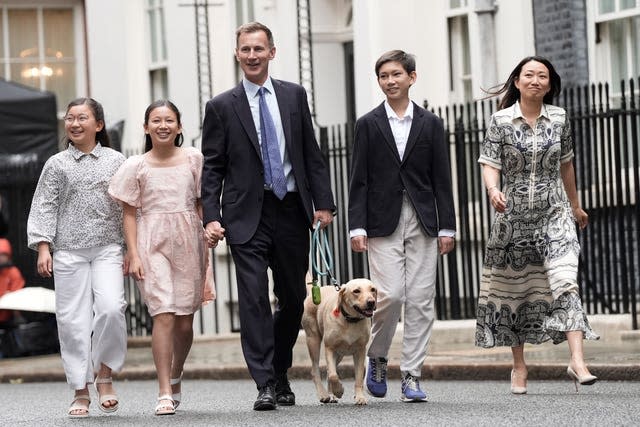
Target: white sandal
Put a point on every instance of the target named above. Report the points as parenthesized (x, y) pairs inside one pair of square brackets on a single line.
[(76, 405), (164, 409), (176, 397), (106, 397)]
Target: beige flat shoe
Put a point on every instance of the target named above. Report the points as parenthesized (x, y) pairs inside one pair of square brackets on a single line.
[(165, 408), (176, 397), (76, 405), (106, 397)]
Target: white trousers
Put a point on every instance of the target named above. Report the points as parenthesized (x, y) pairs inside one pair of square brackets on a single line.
[(90, 307), (403, 268)]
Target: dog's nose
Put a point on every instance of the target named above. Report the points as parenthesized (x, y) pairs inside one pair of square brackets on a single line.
[(371, 304)]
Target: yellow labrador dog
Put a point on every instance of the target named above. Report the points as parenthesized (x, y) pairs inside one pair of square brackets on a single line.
[(343, 321)]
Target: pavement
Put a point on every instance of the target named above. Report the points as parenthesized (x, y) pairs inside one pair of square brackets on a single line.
[(451, 356)]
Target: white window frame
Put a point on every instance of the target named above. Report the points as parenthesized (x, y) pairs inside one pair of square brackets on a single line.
[(160, 64), (79, 56), (603, 46), (617, 13), (457, 93), (464, 8), (244, 11), (159, 83)]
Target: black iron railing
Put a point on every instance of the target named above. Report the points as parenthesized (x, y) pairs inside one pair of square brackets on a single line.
[(606, 141)]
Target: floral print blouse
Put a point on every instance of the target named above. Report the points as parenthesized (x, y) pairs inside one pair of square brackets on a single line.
[(71, 208)]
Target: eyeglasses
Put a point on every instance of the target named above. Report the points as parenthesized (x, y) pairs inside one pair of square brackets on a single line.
[(82, 119)]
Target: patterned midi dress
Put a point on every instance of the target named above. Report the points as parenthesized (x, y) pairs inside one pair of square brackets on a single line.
[(528, 289)]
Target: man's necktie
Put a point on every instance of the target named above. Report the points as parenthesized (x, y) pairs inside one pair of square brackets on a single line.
[(273, 170)]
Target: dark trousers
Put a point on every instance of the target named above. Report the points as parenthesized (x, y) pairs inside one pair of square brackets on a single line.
[(281, 243)]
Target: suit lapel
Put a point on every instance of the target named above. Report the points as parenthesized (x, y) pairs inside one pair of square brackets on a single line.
[(242, 109), (382, 121), (416, 127)]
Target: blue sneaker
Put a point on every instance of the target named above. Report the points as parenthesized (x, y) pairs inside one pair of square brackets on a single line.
[(377, 376), (411, 390)]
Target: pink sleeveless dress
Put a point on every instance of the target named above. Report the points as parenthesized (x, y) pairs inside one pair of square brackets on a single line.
[(171, 242)]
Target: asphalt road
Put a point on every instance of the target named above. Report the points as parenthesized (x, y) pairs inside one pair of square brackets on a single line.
[(229, 403)]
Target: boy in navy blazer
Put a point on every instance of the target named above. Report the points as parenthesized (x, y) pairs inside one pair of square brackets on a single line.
[(400, 211)]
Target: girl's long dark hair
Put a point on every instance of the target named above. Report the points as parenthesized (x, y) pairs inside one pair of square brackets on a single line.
[(102, 136), (148, 144)]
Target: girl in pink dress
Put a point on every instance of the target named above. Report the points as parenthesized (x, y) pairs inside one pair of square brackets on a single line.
[(167, 253)]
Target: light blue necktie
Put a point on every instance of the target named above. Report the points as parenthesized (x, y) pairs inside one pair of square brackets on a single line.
[(273, 170)]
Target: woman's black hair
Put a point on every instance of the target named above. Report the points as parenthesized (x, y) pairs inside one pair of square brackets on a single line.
[(511, 92)]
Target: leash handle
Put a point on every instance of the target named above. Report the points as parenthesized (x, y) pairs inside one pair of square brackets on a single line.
[(320, 246)]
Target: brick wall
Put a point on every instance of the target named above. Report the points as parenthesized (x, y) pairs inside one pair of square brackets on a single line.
[(561, 36)]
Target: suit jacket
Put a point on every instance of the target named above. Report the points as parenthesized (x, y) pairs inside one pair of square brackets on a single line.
[(379, 177), (233, 173)]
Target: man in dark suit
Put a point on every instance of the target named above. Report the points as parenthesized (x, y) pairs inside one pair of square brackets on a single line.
[(401, 211), (261, 156)]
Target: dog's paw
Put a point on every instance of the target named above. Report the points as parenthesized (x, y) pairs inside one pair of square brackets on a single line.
[(329, 399), (360, 400), (336, 388), (325, 398)]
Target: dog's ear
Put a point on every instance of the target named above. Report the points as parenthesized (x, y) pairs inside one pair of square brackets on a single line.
[(341, 293)]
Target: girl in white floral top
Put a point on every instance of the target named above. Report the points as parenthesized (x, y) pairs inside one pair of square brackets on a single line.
[(73, 216)]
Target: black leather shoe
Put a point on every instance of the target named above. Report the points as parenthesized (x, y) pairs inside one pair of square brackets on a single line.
[(266, 400), (284, 395)]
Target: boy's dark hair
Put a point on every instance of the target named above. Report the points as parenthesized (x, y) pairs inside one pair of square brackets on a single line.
[(407, 60)]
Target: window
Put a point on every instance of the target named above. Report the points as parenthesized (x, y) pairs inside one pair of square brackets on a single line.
[(158, 50), (618, 27), (159, 84), (244, 11), (457, 4), (460, 78), (613, 6), (37, 49)]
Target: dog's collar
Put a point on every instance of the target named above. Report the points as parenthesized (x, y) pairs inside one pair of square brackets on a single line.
[(349, 318)]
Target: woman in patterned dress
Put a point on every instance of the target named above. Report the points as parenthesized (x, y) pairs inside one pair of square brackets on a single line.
[(529, 290), (73, 216), (167, 253)]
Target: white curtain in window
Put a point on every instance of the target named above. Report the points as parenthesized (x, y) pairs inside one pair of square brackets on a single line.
[(23, 47), (41, 51), (59, 56)]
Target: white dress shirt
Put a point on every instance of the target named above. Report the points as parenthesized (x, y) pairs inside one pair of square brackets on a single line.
[(251, 89)]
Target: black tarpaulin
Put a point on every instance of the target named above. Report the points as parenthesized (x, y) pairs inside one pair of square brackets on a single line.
[(28, 122)]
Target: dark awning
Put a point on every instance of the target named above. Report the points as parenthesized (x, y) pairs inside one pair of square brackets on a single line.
[(28, 122)]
